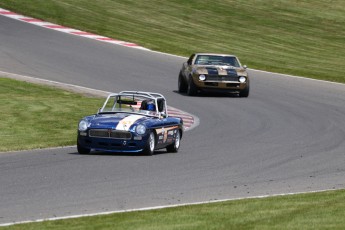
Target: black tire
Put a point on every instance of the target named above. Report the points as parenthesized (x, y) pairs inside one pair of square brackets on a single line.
[(82, 150), (245, 91), (173, 148), (150, 145), (182, 86), (191, 89)]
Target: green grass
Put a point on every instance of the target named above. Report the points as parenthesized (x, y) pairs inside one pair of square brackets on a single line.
[(299, 37), (34, 116), (323, 210)]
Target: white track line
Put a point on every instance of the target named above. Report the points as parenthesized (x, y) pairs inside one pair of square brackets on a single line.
[(158, 207)]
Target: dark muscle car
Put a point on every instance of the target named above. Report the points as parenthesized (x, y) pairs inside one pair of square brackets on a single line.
[(213, 72)]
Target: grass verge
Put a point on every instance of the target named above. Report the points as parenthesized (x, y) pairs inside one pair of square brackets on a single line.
[(304, 211), (299, 37), (34, 116)]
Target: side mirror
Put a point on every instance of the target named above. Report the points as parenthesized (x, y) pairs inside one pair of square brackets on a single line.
[(245, 67), (162, 115)]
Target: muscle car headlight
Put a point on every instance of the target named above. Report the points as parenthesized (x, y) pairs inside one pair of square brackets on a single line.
[(202, 77), (140, 129), (242, 79), (83, 125)]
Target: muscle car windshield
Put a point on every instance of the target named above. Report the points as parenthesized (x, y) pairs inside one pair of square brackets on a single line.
[(216, 60)]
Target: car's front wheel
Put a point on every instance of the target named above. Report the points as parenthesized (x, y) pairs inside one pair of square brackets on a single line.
[(173, 148), (245, 91), (182, 86), (150, 145), (191, 89), (82, 150)]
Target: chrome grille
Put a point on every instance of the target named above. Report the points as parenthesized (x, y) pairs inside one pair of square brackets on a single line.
[(110, 133), (221, 78)]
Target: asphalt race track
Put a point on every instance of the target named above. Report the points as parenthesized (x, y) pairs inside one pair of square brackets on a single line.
[(288, 136)]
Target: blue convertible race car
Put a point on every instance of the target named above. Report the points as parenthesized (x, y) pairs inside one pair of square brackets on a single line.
[(130, 121)]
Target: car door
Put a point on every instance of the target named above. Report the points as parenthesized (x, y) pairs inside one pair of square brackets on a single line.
[(165, 130)]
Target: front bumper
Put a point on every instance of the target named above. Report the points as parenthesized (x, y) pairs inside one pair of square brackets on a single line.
[(112, 144), (215, 85)]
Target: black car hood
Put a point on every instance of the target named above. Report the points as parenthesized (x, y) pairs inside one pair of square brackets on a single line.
[(219, 70)]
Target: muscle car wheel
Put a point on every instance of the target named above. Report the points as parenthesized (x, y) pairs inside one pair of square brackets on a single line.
[(182, 86), (191, 90), (150, 145), (245, 92), (173, 148), (82, 150)]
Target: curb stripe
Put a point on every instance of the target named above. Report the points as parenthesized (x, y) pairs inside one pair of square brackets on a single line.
[(3, 12), (83, 33), (60, 28), (56, 27), (107, 39), (31, 20)]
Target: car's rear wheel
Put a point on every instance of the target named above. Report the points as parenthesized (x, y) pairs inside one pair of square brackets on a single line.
[(150, 145), (173, 148), (191, 89), (182, 86), (82, 150)]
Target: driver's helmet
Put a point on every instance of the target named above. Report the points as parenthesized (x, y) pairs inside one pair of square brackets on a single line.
[(151, 107)]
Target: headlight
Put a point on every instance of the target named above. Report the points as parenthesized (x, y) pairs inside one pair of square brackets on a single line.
[(242, 79), (140, 129), (83, 125), (202, 77)]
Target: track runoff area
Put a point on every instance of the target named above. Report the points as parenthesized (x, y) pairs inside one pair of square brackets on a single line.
[(190, 121)]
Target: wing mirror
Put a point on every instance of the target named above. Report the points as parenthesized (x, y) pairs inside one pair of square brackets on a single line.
[(162, 115)]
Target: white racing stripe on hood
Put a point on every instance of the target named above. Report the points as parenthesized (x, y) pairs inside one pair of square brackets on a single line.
[(127, 122)]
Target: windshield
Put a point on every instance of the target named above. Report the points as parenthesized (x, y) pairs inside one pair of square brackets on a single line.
[(131, 104), (216, 60)]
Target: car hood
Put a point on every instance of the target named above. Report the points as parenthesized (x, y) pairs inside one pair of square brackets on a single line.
[(219, 70), (115, 121)]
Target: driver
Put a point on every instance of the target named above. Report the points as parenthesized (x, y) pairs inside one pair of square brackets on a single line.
[(151, 106), (148, 105)]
